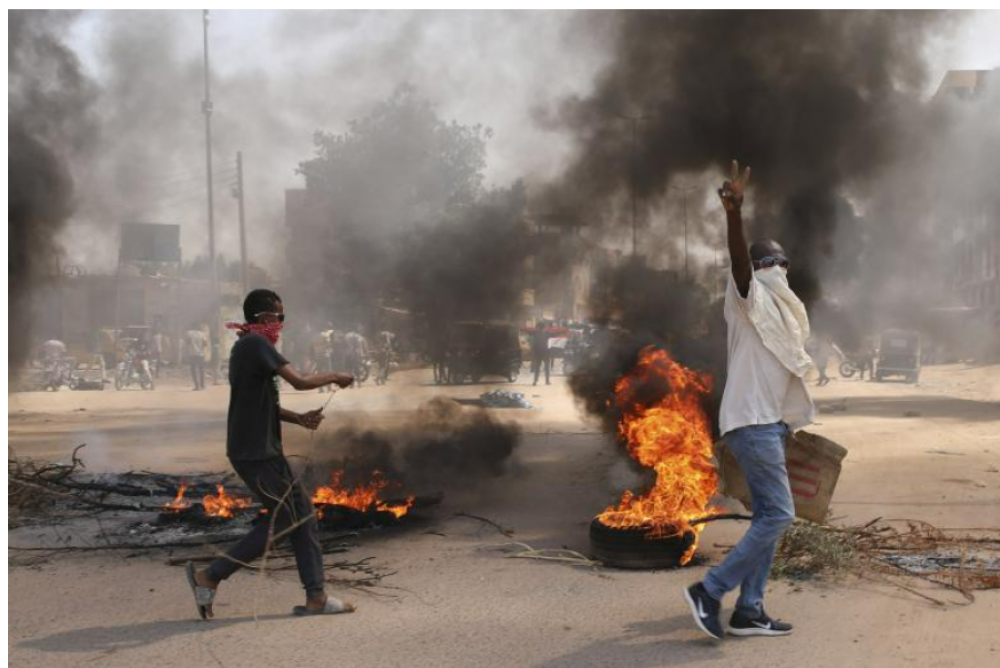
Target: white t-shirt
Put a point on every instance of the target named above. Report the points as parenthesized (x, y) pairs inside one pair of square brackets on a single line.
[(759, 389)]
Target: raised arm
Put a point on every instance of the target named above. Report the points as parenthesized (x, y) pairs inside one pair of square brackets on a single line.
[(314, 381), (731, 193)]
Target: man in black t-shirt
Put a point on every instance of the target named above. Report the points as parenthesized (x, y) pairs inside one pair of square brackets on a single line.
[(541, 356), (253, 445)]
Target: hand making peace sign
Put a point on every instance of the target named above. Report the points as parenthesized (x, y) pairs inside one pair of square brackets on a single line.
[(731, 193)]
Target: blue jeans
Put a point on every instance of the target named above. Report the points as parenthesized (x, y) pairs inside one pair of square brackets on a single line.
[(760, 451)]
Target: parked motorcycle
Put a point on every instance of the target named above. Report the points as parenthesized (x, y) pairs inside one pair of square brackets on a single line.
[(58, 373), (131, 371)]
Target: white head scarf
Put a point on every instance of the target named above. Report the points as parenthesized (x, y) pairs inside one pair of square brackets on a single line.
[(781, 320)]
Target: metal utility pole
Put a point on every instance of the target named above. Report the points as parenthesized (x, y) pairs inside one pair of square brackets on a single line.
[(244, 270), (635, 132), (206, 108), (684, 191)]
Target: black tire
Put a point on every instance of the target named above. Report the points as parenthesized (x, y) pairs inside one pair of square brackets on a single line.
[(632, 549), (847, 370)]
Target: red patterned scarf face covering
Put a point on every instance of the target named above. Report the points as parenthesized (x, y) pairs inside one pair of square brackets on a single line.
[(269, 330)]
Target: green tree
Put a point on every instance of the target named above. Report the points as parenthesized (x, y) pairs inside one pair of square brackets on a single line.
[(399, 167)]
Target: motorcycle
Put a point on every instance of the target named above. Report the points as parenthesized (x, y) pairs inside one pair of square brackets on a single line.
[(58, 373), (133, 370), (851, 364)]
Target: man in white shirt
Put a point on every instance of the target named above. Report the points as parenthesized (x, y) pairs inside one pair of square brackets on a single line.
[(196, 344), (764, 399)]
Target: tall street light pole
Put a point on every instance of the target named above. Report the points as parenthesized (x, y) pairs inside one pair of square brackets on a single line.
[(206, 108)]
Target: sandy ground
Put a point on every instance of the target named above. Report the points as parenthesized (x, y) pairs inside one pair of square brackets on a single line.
[(927, 452)]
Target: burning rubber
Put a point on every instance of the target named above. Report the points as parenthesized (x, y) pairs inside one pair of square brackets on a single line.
[(665, 428)]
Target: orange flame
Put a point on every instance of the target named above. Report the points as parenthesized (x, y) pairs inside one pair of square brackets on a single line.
[(672, 437), (223, 505), (179, 503), (364, 497)]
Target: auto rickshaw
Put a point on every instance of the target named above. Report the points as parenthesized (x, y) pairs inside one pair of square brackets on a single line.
[(482, 348), (898, 355)]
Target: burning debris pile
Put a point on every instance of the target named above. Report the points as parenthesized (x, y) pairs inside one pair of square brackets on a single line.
[(666, 430), (342, 506), (218, 506), (195, 503), (363, 497), (443, 447)]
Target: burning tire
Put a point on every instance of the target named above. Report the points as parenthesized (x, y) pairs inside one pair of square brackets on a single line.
[(632, 549)]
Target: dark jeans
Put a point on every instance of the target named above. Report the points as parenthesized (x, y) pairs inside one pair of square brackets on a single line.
[(197, 364), (269, 480), (539, 360)]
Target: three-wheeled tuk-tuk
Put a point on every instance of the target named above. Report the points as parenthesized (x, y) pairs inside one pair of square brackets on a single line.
[(898, 355), (482, 348)]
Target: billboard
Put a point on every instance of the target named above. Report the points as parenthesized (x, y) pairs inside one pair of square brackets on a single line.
[(150, 242)]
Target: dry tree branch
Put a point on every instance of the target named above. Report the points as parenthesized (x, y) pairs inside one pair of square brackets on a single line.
[(504, 531)]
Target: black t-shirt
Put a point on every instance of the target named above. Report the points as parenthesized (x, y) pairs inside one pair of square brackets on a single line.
[(254, 431), (539, 341)]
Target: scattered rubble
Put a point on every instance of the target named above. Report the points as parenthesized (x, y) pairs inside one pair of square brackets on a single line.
[(504, 399)]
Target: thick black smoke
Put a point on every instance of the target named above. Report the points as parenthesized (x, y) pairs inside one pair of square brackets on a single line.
[(441, 448), (48, 122), (819, 103), (470, 266), (814, 101)]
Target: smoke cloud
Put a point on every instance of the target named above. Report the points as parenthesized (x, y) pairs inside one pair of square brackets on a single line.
[(812, 100), (442, 448), (49, 122), (278, 77), (856, 173)]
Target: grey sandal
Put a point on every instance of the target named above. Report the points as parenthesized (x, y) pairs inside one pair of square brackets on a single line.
[(203, 596), (333, 606)]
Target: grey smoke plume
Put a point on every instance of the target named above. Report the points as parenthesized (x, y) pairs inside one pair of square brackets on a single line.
[(442, 448), (48, 123), (396, 215), (278, 77)]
